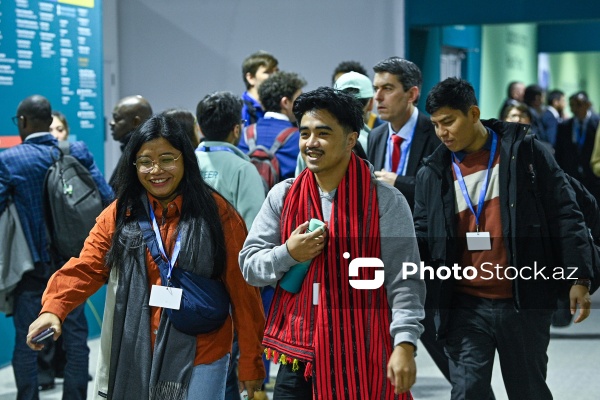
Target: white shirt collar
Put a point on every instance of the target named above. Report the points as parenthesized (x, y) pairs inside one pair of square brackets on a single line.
[(554, 112), (276, 115), (408, 129)]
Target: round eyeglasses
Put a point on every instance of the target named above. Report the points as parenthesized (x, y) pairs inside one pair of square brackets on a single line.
[(146, 165)]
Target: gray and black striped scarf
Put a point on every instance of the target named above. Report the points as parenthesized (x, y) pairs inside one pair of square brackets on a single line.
[(137, 372)]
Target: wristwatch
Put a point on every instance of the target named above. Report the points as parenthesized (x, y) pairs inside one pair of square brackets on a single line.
[(584, 282)]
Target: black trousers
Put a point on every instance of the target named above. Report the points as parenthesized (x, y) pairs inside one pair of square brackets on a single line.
[(291, 385), (435, 348), (477, 328)]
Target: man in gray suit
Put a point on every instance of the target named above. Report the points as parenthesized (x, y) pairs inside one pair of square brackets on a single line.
[(396, 149)]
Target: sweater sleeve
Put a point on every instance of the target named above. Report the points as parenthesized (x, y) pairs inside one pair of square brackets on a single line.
[(249, 193), (82, 276), (247, 310), (264, 259), (405, 290)]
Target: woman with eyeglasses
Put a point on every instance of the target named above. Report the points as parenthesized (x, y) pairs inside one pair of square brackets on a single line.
[(163, 204)]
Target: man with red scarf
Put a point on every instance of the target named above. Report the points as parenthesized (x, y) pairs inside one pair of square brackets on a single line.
[(334, 341)]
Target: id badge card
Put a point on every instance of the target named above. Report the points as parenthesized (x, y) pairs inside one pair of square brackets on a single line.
[(165, 297), (477, 241)]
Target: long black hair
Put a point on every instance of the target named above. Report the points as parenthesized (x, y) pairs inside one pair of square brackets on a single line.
[(198, 201)]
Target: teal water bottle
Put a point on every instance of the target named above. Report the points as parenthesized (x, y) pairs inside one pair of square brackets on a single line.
[(292, 280)]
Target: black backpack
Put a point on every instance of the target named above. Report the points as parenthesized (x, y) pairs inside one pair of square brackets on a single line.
[(587, 204), (71, 202), (264, 159)]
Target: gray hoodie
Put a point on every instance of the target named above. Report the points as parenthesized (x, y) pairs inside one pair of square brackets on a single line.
[(264, 259)]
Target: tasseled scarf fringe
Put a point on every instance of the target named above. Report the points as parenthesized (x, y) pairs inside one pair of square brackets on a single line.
[(279, 358)]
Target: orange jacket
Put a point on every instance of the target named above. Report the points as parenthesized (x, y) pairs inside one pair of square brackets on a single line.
[(80, 277)]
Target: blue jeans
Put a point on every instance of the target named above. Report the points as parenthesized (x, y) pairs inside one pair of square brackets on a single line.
[(75, 332), (208, 380), (232, 391), (477, 328)]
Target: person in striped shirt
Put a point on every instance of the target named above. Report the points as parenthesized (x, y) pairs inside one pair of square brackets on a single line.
[(497, 208)]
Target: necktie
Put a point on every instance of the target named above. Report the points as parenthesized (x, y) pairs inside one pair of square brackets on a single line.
[(396, 141), (579, 135)]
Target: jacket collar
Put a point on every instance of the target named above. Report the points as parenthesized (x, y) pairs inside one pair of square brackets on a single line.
[(509, 134), (41, 138), (233, 149)]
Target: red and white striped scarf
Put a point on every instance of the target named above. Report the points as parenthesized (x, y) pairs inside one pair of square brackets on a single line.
[(345, 340)]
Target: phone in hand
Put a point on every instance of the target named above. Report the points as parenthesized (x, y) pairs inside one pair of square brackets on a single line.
[(45, 334)]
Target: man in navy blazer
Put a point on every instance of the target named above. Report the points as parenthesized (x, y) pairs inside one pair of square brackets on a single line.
[(575, 142), (397, 85), (22, 172)]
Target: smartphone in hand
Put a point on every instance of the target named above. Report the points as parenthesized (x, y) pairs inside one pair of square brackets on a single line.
[(45, 334)]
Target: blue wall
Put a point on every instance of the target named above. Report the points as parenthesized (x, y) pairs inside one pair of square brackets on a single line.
[(431, 24), (425, 46), (54, 48), (558, 38), (474, 12)]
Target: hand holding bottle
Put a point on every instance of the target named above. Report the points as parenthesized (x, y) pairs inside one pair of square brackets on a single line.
[(303, 247)]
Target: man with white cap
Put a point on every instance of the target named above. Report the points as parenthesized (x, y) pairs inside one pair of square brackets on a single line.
[(359, 86)]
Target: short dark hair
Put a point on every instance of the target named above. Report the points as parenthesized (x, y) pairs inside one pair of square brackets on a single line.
[(407, 72), (554, 95), (256, 60), (186, 119), (531, 92), (218, 113), (454, 93), (277, 86), (37, 110), (512, 105), (580, 96), (348, 66), (344, 107)]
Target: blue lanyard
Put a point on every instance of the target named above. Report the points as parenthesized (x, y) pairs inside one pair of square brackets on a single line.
[(463, 186), (581, 134), (214, 148), (403, 153), (160, 244)]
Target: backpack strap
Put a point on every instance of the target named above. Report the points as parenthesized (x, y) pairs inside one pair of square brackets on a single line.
[(282, 138), (250, 137), (64, 146), (251, 111)]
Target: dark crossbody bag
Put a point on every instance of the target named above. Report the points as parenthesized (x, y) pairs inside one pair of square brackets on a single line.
[(204, 303)]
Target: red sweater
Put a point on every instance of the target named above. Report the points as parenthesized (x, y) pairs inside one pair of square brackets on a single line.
[(473, 168)]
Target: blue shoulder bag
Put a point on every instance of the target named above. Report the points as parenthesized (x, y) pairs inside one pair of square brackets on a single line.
[(204, 303)]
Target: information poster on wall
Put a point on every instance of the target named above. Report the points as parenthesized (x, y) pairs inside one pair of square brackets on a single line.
[(53, 48)]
